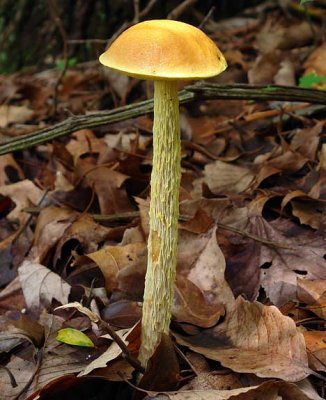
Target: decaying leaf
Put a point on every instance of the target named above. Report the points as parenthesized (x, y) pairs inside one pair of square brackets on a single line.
[(40, 285), (51, 225), (10, 114), (9, 168), (316, 346), (207, 273), (201, 266), (86, 231), (208, 379), (129, 337), (281, 249), (267, 391), (22, 370), (303, 255), (315, 62), (224, 178), (112, 259), (313, 293), (254, 339), (24, 194), (191, 306)]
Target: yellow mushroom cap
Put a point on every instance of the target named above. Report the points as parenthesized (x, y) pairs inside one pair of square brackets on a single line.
[(164, 50)]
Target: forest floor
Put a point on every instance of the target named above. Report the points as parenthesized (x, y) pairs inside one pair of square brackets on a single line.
[(250, 296)]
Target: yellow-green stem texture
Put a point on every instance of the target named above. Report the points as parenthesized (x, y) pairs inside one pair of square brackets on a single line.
[(164, 213)]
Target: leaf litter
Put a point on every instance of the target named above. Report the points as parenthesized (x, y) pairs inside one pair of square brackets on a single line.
[(251, 231)]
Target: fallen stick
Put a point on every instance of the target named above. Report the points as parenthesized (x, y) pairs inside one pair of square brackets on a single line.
[(201, 90)]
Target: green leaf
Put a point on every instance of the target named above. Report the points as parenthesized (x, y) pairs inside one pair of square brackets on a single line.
[(60, 64), (74, 337), (302, 2), (308, 81)]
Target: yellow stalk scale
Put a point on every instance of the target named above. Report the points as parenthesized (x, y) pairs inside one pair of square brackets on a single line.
[(164, 213)]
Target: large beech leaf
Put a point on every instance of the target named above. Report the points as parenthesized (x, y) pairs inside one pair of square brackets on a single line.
[(282, 253), (40, 285), (255, 339), (202, 293), (302, 254), (223, 177)]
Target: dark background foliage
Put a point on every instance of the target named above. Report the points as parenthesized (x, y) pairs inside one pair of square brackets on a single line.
[(31, 31)]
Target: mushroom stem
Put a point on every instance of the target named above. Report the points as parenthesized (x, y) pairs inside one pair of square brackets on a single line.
[(164, 212)]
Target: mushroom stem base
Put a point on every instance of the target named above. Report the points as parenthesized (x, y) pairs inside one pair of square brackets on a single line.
[(164, 212)]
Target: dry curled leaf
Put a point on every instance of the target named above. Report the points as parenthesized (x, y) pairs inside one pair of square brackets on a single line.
[(224, 178), (129, 338), (24, 194), (316, 346), (266, 391), (40, 285), (254, 339)]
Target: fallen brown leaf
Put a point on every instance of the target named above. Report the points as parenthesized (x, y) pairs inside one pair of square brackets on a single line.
[(86, 231), (266, 391), (112, 259), (315, 62), (129, 336), (24, 194), (10, 114), (254, 339), (313, 293), (224, 178), (51, 225), (316, 346), (9, 169), (191, 306), (40, 285)]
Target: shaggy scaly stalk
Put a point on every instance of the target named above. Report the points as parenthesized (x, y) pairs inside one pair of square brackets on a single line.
[(164, 212)]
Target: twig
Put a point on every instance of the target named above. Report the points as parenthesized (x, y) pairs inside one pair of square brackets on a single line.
[(81, 41), (180, 9), (94, 317), (128, 24), (136, 11), (146, 10), (254, 237), (56, 18), (125, 351), (97, 217), (206, 19), (135, 214), (12, 379), (39, 358), (253, 92), (197, 91)]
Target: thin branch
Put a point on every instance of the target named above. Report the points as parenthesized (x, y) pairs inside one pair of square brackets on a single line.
[(39, 358), (81, 41), (57, 20), (136, 11), (207, 18), (125, 351), (253, 92), (134, 214), (12, 379), (139, 15), (181, 8), (200, 91), (146, 10), (244, 233)]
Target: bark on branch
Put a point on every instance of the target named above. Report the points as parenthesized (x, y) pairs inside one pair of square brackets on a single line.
[(200, 90)]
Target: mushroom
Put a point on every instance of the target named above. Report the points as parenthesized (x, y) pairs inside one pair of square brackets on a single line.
[(164, 51)]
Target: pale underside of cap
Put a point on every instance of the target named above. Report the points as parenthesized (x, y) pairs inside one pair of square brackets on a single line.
[(164, 50)]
